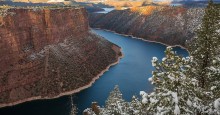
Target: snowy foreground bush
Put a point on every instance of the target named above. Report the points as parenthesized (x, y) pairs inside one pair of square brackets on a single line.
[(183, 86)]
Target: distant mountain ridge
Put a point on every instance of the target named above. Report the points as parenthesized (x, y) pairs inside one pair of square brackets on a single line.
[(194, 1), (169, 25), (23, 4)]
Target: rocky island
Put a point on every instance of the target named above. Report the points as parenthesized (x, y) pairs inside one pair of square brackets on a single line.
[(47, 52)]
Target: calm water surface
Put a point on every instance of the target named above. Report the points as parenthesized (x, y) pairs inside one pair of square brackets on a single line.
[(130, 74), (106, 10)]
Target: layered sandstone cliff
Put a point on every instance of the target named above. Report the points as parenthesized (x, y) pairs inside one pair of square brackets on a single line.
[(46, 52), (169, 25)]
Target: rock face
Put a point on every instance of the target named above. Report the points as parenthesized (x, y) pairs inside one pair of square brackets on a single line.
[(169, 25), (47, 52)]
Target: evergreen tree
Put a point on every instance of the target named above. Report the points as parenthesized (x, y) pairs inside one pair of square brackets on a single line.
[(175, 92), (115, 104), (205, 45), (206, 56), (73, 107), (73, 110), (135, 106)]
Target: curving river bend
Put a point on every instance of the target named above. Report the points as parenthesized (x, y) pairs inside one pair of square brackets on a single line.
[(130, 74)]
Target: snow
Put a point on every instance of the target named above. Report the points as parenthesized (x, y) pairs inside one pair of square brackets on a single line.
[(189, 103), (144, 100), (154, 60), (164, 59), (142, 93), (176, 110), (214, 61), (153, 100), (175, 98), (188, 66), (194, 82), (217, 104), (159, 109), (150, 79), (213, 87), (169, 47), (218, 31), (136, 111), (171, 78), (160, 74)]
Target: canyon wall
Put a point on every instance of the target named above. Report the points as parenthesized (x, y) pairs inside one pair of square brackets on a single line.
[(47, 52), (169, 25)]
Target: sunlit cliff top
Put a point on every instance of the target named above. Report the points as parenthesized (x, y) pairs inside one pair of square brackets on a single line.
[(4, 9), (42, 7)]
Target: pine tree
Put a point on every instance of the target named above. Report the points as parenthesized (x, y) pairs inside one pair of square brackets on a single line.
[(135, 106), (206, 56), (115, 104), (175, 92), (214, 68), (205, 45), (73, 110), (73, 107)]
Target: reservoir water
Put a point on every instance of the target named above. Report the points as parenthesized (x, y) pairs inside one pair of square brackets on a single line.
[(131, 74), (106, 10)]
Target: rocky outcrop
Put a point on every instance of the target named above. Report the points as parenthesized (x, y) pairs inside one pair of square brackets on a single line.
[(169, 25), (49, 52)]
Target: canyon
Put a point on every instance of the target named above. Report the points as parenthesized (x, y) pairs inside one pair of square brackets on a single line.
[(49, 52), (165, 24)]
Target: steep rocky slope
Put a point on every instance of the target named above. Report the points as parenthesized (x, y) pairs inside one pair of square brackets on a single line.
[(169, 25), (49, 52)]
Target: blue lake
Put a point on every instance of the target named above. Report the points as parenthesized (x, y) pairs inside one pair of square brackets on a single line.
[(106, 10), (131, 74)]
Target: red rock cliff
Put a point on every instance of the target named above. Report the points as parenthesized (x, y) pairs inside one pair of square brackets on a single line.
[(27, 30), (46, 52), (165, 24)]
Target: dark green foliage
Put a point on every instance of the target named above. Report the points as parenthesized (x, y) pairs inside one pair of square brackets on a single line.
[(205, 46)]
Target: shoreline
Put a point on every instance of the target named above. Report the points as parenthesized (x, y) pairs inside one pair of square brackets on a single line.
[(73, 91), (133, 37), (94, 79)]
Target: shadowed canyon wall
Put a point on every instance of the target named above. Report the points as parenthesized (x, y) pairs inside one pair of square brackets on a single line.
[(45, 53), (169, 25)]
